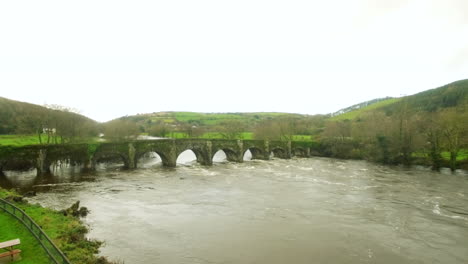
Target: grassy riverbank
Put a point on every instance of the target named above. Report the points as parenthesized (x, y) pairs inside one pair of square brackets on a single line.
[(32, 252), (67, 232)]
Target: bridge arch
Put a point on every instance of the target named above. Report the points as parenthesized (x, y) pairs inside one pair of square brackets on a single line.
[(219, 156), (58, 163), (247, 155), (201, 157), (17, 164), (186, 157), (257, 153), (279, 153), (164, 159), (111, 156), (300, 152), (231, 154)]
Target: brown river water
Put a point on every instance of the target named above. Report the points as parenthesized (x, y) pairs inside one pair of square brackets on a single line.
[(315, 210)]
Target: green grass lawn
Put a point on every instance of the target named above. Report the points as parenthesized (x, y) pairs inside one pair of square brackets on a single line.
[(31, 250), (19, 140), (462, 155), (24, 140)]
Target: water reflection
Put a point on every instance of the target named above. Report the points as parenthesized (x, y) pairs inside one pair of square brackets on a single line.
[(16, 179)]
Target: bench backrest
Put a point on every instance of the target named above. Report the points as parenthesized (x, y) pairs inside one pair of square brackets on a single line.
[(10, 243)]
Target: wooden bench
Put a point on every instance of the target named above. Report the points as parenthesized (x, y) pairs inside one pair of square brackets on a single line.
[(8, 246)]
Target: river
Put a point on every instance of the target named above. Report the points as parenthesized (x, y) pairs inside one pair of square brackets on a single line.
[(315, 210)]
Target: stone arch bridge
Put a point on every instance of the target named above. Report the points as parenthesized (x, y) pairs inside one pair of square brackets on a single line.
[(42, 156)]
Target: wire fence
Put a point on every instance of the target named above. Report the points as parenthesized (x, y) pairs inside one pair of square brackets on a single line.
[(55, 255)]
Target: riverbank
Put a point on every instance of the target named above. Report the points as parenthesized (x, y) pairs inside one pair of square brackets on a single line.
[(32, 252), (66, 231)]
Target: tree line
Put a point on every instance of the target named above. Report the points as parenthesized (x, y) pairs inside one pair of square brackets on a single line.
[(403, 137), (53, 124)]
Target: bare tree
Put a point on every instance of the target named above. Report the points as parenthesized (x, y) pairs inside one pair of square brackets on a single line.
[(453, 128), (120, 129), (232, 129), (267, 129)]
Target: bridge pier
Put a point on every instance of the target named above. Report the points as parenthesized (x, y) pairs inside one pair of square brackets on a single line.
[(42, 166), (131, 156), (260, 155), (204, 154), (281, 149), (234, 157), (301, 152), (89, 165), (170, 159), (307, 154)]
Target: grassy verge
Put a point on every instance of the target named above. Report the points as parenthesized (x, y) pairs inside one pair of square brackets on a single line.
[(31, 251), (67, 232)]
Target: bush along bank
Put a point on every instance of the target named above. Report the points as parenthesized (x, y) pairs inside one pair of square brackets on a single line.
[(64, 227), (383, 152)]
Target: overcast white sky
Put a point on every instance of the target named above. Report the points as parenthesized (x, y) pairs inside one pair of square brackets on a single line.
[(113, 58)]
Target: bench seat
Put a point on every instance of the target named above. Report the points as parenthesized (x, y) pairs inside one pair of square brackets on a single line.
[(10, 253)]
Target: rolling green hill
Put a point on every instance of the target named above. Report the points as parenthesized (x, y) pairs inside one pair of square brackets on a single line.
[(353, 114), (430, 128), (451, 95), (448, 96), (206, 119), (26, 119), (217, 125)]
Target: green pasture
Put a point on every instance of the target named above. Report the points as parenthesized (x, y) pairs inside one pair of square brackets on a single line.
[(24, 140), (20, 140)]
